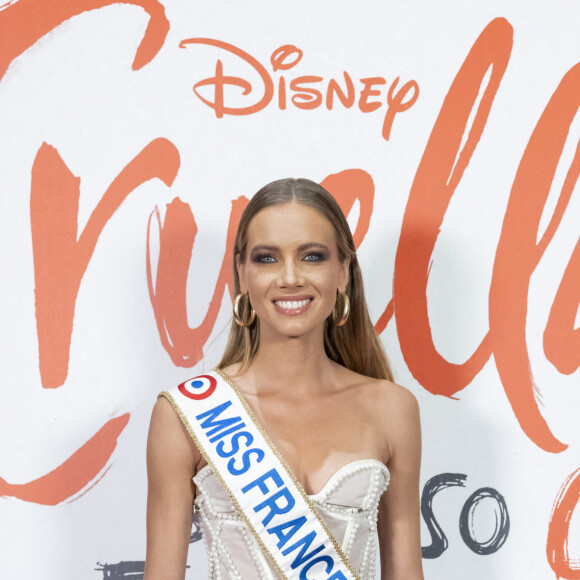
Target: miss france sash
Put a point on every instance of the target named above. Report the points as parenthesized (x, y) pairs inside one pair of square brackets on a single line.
[(260, 484)]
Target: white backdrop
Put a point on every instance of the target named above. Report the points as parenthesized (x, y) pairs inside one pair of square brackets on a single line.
[(472, 239)]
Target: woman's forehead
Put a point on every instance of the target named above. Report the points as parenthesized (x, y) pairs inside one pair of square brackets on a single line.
[(290, 223)]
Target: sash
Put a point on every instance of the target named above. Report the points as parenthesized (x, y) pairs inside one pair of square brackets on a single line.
[(261, 486)]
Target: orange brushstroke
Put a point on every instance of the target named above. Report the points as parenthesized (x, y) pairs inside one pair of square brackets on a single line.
[(60, 261), (518, 255), (346, 187), (438, 175), (559, 527), (561, 339), (437, 178), (73, 474), (168, 296), (385, 317), (22, 24)]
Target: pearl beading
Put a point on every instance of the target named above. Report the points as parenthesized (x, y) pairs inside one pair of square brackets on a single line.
[(225, 555), (217, 552), (257, 557), (379, 481), (230, 516), (362, 520), (367, 565), (349, 537)]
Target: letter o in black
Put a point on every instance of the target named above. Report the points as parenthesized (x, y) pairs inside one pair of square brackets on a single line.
[(502, 522)]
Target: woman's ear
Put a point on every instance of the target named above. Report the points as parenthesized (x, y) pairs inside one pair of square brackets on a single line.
[(241, 268), (343, 275)]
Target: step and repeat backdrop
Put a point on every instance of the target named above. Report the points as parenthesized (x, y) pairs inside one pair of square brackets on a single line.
[(132, 135)]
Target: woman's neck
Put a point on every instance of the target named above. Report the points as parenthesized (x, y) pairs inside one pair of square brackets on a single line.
[(298, 366)]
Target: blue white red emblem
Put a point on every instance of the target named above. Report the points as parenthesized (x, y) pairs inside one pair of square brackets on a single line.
[(199, 387)]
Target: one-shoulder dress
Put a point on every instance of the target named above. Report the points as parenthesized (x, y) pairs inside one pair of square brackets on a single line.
[(348, 503)]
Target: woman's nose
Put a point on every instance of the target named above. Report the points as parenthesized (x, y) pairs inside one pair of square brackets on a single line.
[(290, 274)]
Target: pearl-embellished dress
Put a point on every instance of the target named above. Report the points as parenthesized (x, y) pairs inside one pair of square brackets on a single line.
[(348, 503)]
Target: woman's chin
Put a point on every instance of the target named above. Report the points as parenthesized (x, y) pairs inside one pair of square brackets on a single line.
[(293, 328)]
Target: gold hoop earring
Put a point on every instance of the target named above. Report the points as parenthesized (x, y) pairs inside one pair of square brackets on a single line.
[(345, 309), (238, 319)]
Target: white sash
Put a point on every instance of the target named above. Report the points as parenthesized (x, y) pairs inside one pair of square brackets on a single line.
[(260, 484)]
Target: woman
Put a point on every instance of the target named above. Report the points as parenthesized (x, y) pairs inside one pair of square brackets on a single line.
[(304, 357)]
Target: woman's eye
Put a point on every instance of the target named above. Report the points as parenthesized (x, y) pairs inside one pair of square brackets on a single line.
[(264, 258), (313, 257)]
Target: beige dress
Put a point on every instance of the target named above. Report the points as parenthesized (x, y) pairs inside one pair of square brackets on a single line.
[(348, 503)]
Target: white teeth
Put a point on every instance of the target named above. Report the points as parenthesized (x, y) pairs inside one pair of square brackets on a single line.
[(292, 304)]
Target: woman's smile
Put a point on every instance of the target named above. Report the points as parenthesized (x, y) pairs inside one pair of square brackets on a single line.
[(292, 305)]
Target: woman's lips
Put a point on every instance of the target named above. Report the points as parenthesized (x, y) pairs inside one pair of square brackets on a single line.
[(292, 307)]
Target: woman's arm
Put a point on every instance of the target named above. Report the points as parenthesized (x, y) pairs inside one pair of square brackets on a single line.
[(171, 464), (399, 523)]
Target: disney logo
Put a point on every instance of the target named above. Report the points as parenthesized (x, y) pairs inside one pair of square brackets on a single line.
[(305, 92)]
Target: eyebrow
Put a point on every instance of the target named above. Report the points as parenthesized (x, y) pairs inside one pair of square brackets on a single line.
[(301, 247)]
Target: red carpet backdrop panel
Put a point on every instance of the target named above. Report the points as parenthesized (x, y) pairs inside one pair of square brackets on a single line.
[(132, 135)]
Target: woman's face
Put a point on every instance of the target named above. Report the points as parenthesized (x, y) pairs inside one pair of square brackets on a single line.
[(292, 270)]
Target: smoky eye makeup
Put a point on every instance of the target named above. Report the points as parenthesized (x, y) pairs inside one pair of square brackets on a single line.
[(306, 252), (263, 254), (262, 258), (315, 256), (315, 252)]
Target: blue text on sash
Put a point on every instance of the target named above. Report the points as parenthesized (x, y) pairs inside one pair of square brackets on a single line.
[(227, 434)]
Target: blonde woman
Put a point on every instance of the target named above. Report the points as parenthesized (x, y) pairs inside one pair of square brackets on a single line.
[(312, 381)]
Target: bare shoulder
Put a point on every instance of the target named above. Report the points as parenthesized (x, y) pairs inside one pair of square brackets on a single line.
[(383, 395), (163, 417), (392, 409), (395, 403), (168, 438), (394, 398), (396, 414), (232, 370)]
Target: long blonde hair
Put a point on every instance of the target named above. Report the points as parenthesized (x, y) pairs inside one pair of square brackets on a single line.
[(356, 344)]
